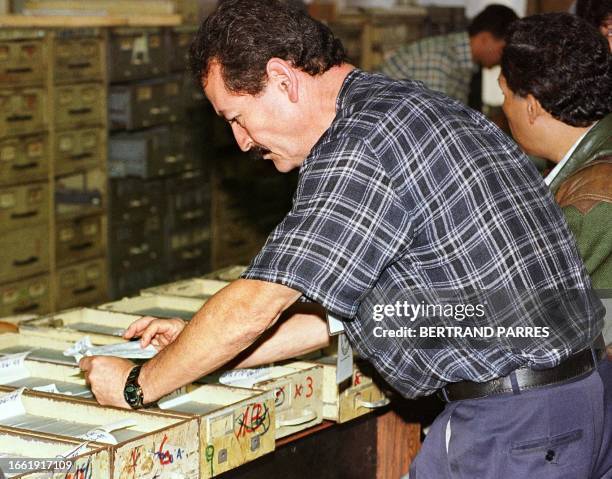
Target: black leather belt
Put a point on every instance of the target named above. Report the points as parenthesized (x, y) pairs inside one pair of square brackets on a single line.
[(524, 379)]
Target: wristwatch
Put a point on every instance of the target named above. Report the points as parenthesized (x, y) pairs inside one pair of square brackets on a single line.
[(132, 392)]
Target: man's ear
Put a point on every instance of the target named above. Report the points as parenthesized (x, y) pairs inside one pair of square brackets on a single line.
[(534, 108), (283, 76)]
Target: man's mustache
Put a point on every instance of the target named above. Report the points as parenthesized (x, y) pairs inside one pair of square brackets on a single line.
[(257, 152)]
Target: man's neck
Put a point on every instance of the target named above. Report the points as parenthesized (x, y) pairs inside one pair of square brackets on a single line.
[(561, 138), (322, 92)]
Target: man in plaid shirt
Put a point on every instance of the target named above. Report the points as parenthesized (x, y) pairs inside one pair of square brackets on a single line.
[(406, 199), (446, 63)]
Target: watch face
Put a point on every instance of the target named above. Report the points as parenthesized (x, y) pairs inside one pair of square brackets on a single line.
[(131, 393)]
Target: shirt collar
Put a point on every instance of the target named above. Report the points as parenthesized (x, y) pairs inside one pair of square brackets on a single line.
[(555, 171)]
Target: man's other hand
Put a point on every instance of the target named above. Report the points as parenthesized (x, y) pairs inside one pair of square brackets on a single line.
[(158, 332)]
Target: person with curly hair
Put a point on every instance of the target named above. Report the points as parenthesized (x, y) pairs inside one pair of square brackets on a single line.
[(599, 14), (558, 101)]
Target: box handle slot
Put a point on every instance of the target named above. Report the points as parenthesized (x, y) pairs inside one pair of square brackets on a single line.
[(306, 416), (26, 309), (86, 289), (26, 262), (373, 404), (82, 246), (25, 166), (79, 111), (74, 66), (19, 70), (15, 118), (27, 214), (81, 156)]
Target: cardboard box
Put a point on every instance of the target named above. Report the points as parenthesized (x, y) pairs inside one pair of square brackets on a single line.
[(24, 252), (22, 111), (32, 296), (82, 284), (159, 306), (80, 239), (24, 159), (190, 288), (24, 206), (79, 150)]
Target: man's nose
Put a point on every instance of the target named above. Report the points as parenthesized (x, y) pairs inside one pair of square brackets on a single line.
[(243, 139)]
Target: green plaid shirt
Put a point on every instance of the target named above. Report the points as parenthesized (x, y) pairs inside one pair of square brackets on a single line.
[(444, 63)]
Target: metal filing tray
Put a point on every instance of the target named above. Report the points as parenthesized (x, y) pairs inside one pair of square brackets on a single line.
[(78, 55), (134, 199), (145, 104), (160, 445), (22, 111), (30, 295), (24, 252), (351, 399), (180, 39), (137, 53), (80, 194), (297, 392), (43, 349), (24, 159), (157, 306), (188, 200), (82, 283), (190, 288), (130, 282), (103, 327), (67, 379), (93, 460), (79, 105), (23, 206), (235, 425), (79, 239), (77, 150), (22, 57), (148, 154), (135, 245)]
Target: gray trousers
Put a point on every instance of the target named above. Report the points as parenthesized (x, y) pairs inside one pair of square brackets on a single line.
[(557, 432)]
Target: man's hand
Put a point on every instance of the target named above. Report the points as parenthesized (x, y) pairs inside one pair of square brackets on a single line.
[(158, 332), (107, 376)]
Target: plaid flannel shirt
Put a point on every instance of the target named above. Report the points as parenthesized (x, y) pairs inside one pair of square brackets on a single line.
[(410, 190), (444, 63)]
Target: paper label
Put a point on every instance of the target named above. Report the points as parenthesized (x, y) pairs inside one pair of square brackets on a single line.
[(11, 404), (13, 368), (344, 364), (334, 325), (100, 436), (244, 378), (50, 388)]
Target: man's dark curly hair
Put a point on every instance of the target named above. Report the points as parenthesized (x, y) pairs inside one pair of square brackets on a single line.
[(494, 19), (564, 62), (594, 11), (242, 35)]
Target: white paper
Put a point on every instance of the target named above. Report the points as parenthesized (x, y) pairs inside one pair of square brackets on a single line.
[(244, 378), (103, 433), (128, 349), (11, 404), (49, 388), (344, 363), (13, 368), (334, 325), (77, 451)]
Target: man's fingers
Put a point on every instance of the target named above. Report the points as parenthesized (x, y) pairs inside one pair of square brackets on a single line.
[(137, 327)]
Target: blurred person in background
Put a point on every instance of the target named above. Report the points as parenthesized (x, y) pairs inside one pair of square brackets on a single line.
[(446, 63)]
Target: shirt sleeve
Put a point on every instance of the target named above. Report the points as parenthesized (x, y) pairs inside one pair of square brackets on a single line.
[(345, 227)]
